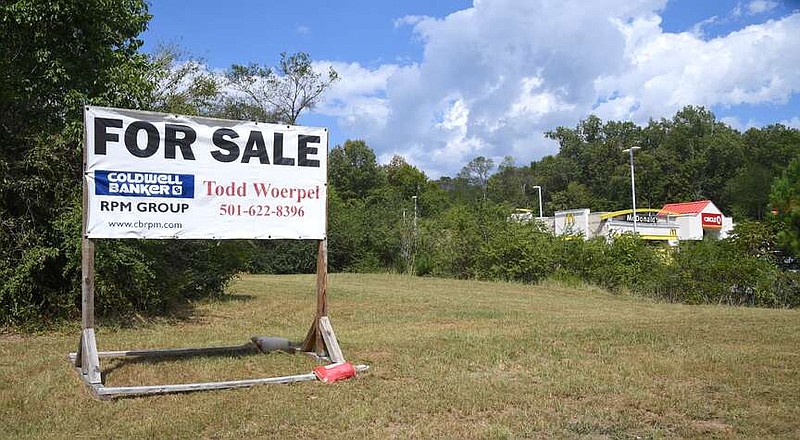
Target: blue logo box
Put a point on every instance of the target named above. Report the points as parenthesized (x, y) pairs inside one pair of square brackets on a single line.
[(143, 184)]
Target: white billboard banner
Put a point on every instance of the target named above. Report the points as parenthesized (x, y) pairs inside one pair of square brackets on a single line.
[(155, 175)]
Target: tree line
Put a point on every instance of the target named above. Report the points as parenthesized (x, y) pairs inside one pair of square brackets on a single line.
[(392, 217), (61, 55)]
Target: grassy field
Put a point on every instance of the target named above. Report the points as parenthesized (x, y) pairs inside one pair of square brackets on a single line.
[(449, 359)]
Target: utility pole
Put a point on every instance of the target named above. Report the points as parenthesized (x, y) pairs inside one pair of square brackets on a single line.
[(633, 185), (539, 188)]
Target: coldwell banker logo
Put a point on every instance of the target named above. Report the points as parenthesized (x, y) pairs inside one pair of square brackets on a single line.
[(143, 184)]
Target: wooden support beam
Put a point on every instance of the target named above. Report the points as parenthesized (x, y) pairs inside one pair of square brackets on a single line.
[(186, 387), (314, 341), (331, 343), (90, 363), (87, 350), (166, 352)]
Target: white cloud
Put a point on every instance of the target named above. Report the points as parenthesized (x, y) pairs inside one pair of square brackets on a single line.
[(698, 30), (358, 100), (754, 7), (761, 6), (409, 20), (495, 77), (667, 71), (793, 122), (738, 124)]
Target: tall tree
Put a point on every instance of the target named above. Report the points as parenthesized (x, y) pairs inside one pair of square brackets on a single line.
[(576, 195), (785, 200), (283, 91), (353, 170), (183, 85), (512, 184), (55, 57), (405, 179), (477, 173)]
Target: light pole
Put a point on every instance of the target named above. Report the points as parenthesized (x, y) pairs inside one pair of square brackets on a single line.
[(633, 185), (415, 213), (413, 245), (539, 188)]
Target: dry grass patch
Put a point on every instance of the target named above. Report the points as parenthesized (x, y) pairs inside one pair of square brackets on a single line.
[(449, 359)]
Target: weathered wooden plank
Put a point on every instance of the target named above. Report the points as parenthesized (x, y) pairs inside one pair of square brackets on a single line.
[(205, 386), (331, 343), (322, 291), (311, 337), (87, 283), (172, 351), (87, 247), (76, 358), (90, 363), (314, 340), (322, 278)]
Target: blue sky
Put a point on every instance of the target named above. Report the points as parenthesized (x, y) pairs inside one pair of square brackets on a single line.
[(441, 82)]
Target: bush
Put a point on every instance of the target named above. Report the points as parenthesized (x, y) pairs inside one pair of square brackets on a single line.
[(131, 276), (517, 252), (787, 289), (151, 277), (281, 256), (449, 245), (714, 272)]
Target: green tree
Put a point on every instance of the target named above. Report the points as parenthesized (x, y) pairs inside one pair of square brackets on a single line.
[(748, 191), (183, 85), (785, 200), (576, 195), (476, 173), (353, 170), (55, 57), (513, 185), (766, 151), (407, 180), (283, 92), (240, 109)]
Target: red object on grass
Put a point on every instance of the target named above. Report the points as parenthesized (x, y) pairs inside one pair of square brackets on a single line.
[(332, 373)]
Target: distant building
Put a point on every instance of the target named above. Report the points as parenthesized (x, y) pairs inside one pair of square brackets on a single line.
[(699, 219), (672, 223)]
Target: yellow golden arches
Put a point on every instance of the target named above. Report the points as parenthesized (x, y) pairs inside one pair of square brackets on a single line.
[(569, 220)]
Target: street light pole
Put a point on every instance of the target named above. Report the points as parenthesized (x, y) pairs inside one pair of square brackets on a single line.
[(415, 214), (633, 185), (539, 188)]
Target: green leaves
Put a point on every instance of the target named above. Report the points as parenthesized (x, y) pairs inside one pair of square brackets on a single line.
[(285, 91), (785, 201), (56, 56)]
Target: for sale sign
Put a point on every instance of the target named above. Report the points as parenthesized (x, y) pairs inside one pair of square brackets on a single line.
[(155, 175)]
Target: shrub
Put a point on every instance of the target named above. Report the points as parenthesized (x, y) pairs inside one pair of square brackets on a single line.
[(714, 272), (450, 243), (517, 252)]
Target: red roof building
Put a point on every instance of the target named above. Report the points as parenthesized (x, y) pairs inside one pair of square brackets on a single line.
[(698, 219), (691, 208)]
